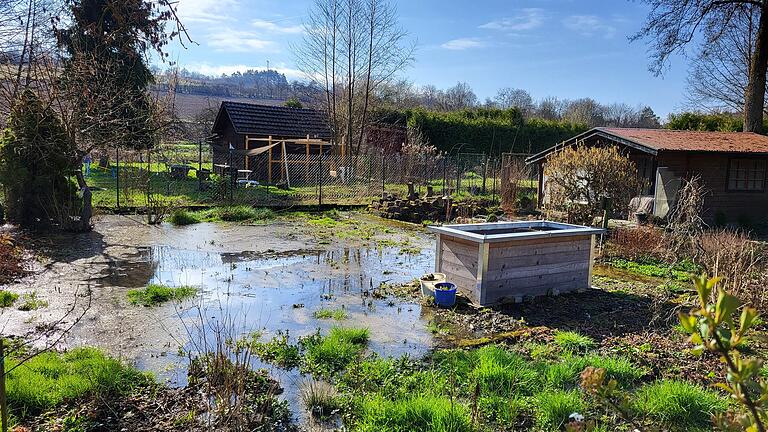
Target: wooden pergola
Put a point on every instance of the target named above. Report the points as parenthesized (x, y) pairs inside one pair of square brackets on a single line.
[(310, 144)]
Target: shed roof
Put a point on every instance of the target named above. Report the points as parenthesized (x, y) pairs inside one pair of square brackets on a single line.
[(276, 121), (654, 141)]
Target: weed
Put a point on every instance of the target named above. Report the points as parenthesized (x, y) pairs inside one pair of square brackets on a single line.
[(7, 298), (277, 351), (678, 404), (681, 271), (49, 379), (31, 302), (554, 407), (319, 397), (242, 214), (336, 314), (155, 294), (183, 217), (573, 342), (332, 353)]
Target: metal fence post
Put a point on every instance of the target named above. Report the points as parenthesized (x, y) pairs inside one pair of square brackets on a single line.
[(320, 178), (117, 175), (383, 174)]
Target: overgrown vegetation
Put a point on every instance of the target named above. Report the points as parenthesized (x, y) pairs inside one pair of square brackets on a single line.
[(7, 298), (156, 294)]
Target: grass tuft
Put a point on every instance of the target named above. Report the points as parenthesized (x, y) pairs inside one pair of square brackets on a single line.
[(564, 374), (319, 397), (553, 408), (49, 379), (30, 301), (679, 404), (7, 298), (326, 355), (419, 413), (335, 314), (155, 294), (182, 217), (242, 214), (574, 342)]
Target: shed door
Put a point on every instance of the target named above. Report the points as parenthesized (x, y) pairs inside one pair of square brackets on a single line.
[(667, 185)]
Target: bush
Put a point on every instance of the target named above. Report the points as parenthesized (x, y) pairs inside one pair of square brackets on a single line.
[(553, 408), (50, 379), (155, 294), (573, 342), (678, 404), (183, 217), (640, 243)]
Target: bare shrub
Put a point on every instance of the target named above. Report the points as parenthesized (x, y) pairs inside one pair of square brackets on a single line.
[(580, 177), (636, 243), (513, 172), (685, 224), (732, 256)]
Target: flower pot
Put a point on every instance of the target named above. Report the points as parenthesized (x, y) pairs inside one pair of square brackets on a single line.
[(428, 286), (445, 294)]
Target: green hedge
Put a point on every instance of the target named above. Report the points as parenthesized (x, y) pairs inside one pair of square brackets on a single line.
[(718, 122)]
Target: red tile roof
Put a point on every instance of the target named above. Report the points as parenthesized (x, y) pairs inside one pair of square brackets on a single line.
[(673, 140)]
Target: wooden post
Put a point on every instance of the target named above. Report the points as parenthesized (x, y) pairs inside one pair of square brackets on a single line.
[(269, 164), (306, 166), (247, 147), (285, 164), (3, 398)]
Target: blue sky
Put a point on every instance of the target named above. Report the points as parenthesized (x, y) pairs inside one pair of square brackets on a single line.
[(564, 48)]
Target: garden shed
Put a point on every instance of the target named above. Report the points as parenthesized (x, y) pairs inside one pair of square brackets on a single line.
[(259, 139), (732, 166)]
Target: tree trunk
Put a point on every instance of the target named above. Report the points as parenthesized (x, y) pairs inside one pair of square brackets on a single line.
[(87, 211), (754, 96)]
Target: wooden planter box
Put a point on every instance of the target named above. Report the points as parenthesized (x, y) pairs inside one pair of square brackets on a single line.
[(509, 261)]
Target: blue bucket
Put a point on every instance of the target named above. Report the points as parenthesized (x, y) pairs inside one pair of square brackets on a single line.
[(445, 294)]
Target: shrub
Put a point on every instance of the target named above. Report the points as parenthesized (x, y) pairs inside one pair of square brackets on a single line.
[(7, 298), (554, 407), (155, 294), (678, 404), (50, 379), (419, 413), (573, 342), (638, 243), (579, 177), (182, 217)]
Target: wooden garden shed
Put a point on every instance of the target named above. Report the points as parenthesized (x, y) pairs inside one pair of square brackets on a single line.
[(260, 139)]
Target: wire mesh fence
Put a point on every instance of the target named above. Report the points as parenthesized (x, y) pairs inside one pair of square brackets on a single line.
[(189, 175)]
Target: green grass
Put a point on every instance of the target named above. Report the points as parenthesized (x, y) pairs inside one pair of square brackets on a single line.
[(182, 217), (564, 373), (418, 413), (7, 298), (155, 294), (681, 271), (335, 314), (554, 407), (574, 342), (325, 355), (51, 379), (277, 351), (242, 214), (30, 301), (679, 405)]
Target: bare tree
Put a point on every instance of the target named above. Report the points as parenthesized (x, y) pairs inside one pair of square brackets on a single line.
[(515, 98), (673, 25), (350, 49), (460, 96)]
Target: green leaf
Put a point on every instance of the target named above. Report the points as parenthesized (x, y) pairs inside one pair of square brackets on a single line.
[(726, 306)]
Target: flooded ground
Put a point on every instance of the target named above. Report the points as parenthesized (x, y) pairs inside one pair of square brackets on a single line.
[(269, 278)]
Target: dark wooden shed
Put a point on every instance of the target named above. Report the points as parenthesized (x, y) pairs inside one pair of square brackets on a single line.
[(258, 138), (733, 167)]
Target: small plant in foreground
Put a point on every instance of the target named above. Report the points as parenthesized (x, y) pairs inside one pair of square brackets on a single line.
[(30, 301), (319, 397), (574, 342), (155, 294), (7, 298)]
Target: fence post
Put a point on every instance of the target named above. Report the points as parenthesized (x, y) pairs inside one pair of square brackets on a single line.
[(117, 175), (320, 178), (383, 174)]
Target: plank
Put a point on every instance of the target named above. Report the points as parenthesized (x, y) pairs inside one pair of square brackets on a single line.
[(538, 250), (502, 263), (536, 270)]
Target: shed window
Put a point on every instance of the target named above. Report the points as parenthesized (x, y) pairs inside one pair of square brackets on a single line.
[(747, 175)]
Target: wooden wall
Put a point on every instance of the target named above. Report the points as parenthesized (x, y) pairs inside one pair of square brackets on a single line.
[(734, 206), (458, 259), (537, 267)]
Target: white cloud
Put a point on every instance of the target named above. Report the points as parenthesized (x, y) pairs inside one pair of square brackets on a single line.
[(276, 28), (205, 11), (218, 70), (527, 19), (240, 41), (590, 25), (463, 44)]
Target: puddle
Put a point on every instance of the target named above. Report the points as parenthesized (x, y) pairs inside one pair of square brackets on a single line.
[(273, 292)]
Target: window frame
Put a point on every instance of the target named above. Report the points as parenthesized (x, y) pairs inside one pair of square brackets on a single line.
[(763, 188)]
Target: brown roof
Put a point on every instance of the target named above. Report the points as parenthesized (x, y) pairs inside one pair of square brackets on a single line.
[(655, 140), (675, 140)]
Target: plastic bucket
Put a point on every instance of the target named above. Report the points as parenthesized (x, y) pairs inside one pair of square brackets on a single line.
[(445, 294)]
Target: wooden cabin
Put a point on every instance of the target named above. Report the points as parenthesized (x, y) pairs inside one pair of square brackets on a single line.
[(258, 141), (732, 166)]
